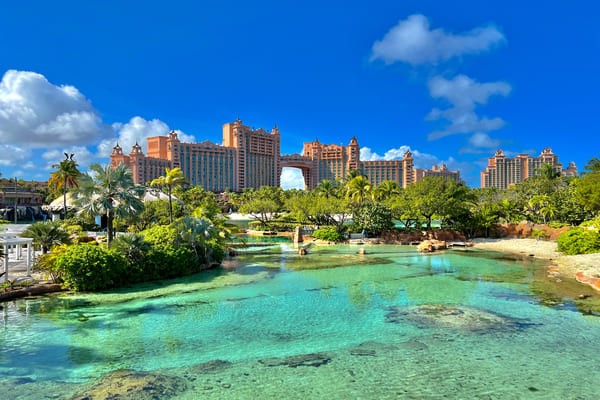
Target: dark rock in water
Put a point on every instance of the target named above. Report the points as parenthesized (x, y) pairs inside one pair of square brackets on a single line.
[(302, 360), (22, 381), (127, 384), (371, 348), (452, 317), (211, 367), (363, 352), (414, 344)]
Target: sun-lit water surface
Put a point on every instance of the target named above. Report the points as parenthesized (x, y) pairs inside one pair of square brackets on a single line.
[(388, 324)]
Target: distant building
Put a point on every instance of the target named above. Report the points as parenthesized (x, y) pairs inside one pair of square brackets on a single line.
[(442, 171), (502, 171), (571, 170), (250, 158), (335, 162), (23, 193)]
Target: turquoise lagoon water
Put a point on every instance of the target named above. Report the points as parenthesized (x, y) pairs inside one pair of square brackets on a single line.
[(331, 324)]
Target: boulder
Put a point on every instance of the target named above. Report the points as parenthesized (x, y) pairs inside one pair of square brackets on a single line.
[(128, 384), (302, 360)]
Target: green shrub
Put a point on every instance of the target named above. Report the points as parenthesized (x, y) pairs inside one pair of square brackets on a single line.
[(163, 236), (579, 241), (89, 267), (539, 234), (328, 234), (173, 262), (3, 221), (372, 217), (592, 223)]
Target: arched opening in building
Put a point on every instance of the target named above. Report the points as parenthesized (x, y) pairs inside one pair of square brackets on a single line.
[(292, 178)]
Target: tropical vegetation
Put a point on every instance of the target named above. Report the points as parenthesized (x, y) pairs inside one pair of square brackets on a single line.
[(166, 239)]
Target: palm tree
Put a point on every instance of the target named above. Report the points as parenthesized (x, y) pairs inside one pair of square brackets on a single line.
[(547, 171), (327, 188), (353, 173), (172, 178), (110, 192), (132, 245), (47, 234), (65, 177), (200, 234), (385, 190), (359, 189)]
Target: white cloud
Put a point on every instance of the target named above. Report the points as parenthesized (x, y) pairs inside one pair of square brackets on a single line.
[(413, 42), (483, 140), (421, 160), (35, 113), (137, 130), (12, 155), (464, 94), (291, 178), (81, 155)]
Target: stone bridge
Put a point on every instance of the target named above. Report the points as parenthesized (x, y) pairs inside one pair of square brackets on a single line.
[(305, 165)]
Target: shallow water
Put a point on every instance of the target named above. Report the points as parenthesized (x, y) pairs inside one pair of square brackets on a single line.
[(388, 324)]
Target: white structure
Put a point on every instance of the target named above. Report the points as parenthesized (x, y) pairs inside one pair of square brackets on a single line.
[(13, 244)]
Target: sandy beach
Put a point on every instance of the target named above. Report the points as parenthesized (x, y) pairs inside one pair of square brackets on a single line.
[(588, 264)]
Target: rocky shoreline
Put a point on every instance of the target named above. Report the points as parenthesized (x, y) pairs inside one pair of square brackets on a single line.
[(583, 267)]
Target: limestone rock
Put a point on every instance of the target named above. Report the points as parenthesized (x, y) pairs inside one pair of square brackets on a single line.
[(452, 317), (302, 360), (128, 384)]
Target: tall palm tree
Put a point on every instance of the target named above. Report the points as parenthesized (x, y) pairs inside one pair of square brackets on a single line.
[(172, 178), (110, 192), (47, 234), (64, 178), (547, 171), (386, 189), (327, 188), (198, 233), (359, 189)]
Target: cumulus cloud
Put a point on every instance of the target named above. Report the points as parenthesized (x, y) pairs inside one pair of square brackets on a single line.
[(291, 178), (412, 41), (35, 113), (137, 130), (12, 155), (421, 160), (483, 140), (81, 154), (464, 95)]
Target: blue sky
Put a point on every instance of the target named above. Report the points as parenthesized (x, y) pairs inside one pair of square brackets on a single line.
[(452, 81)]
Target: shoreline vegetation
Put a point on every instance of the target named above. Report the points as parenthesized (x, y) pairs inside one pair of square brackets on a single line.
[(160, 239)]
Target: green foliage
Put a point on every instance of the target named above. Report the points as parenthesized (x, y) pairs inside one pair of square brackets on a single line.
[(592, 223), (86, 267), (373, 217), (194, 198), (161, 236), (359, 190), (588, 188), (328, 234), (539, 234), (172, 178), (47, 234), (3, 221), (87, 223), (111, 192), (134, 249), (318, 208), (264, 204), (47, 263), (155, 212), (579, 241), (436, 196)]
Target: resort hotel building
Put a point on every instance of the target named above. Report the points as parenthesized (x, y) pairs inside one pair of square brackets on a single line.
[(502, 172), (250, 158)]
